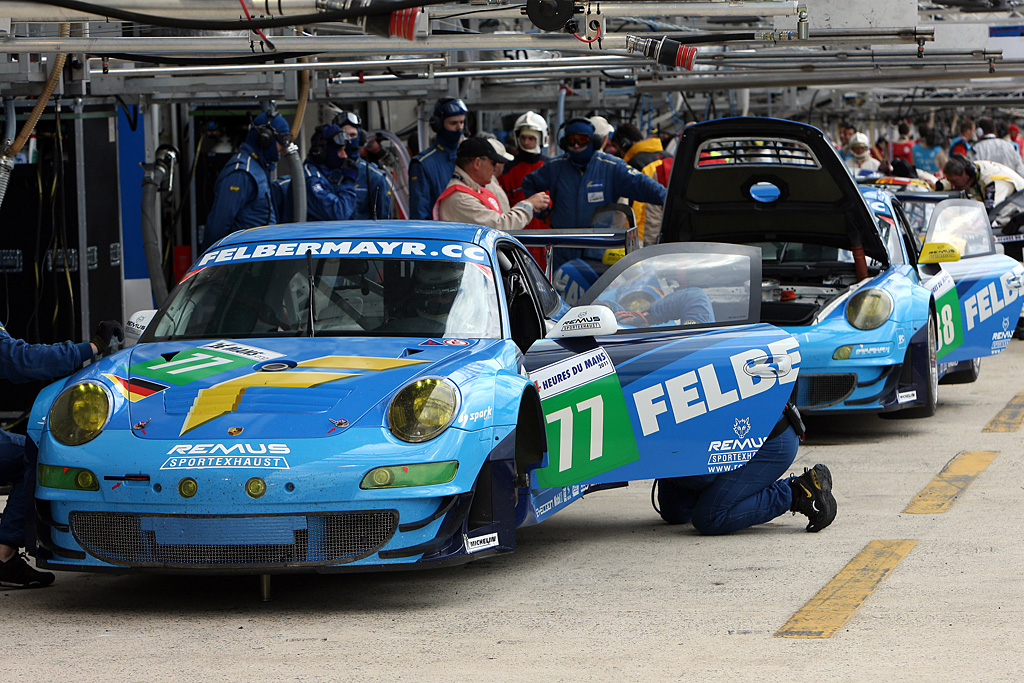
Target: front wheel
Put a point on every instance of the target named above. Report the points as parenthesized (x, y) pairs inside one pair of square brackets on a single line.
[(931, 385)]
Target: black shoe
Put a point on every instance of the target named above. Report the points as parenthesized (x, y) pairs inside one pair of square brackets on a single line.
[(18, 572), (812, 496)]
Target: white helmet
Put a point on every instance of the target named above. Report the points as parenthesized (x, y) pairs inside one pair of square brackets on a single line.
[(535, 122)]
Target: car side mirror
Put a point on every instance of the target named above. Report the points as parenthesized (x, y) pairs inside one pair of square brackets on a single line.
[(585, 321), (136, 325), (938, 252)]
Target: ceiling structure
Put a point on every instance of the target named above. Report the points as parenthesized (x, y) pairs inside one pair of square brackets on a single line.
[(777, 57)]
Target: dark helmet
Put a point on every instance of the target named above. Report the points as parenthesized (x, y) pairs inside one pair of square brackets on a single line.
[(435, 286)]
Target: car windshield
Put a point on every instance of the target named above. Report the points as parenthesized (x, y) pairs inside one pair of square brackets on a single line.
[(681, 289), (353, 297)]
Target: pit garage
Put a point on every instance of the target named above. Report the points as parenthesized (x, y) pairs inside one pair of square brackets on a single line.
[(119, 118)]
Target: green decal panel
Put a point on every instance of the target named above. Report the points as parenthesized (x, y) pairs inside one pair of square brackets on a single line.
[(189, 366), (951, 329), (588, 427)]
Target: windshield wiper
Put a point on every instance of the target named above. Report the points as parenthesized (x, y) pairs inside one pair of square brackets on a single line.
[(312, 291)]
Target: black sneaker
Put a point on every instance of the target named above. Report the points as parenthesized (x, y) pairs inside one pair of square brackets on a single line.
[(18, 572), (812, 496)]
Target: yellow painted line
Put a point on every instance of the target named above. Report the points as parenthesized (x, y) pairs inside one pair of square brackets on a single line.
[(832, 607), (955, 477), (1010, 418)]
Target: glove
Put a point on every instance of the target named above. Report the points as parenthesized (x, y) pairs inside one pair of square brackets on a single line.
[(349, 170), (632, 318), (105, 331)]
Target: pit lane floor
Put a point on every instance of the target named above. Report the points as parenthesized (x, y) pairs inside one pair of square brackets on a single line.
[(604, 591)]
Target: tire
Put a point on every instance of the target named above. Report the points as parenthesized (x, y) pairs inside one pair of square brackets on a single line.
[(931, 388), (964, 376)]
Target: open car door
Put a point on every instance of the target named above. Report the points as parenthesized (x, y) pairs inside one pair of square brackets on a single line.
[(690, 384), (977, 298)]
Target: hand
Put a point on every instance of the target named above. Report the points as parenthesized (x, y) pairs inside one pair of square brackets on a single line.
[(349, 170), (539, 201), (632, 318), (105, 331)]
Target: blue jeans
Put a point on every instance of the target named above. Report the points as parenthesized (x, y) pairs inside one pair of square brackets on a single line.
[(13, 471), (723, 503)]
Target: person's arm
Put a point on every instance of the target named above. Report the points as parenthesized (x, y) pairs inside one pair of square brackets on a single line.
[(690, 306), (24, 362), (633, 184), (333, 202), (538, 180), (460, 207), (419, 192)]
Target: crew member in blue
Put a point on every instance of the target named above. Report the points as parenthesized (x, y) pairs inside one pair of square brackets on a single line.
[(431, 169), (373, 191), (330, 179), (241, 196), (583, 179), (23, 362)]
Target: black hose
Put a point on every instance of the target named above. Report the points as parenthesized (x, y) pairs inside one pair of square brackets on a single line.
[(376, 7), (204, 61)]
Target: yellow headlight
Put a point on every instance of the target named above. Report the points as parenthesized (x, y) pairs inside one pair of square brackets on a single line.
[(869, 308), (79, 413), (422, 409)]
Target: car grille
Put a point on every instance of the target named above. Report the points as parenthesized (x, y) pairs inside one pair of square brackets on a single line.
[(822, 391), (232, 540)]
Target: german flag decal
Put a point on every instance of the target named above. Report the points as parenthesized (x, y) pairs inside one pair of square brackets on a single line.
[(135, 389)]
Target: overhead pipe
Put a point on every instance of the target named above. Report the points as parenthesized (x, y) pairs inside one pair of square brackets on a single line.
[(361, 65), (612, 43), (725, 8), (11, 151)]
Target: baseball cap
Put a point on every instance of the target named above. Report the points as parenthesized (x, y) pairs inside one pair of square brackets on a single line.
[(477, 146)]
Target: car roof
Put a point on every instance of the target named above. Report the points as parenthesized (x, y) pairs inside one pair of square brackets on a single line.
[(710, 196), (369, 230)]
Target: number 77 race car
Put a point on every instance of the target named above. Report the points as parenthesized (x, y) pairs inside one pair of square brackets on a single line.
[(348, 396), (880, 318)]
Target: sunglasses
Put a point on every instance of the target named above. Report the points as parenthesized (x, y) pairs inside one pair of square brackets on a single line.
[(577, 140)]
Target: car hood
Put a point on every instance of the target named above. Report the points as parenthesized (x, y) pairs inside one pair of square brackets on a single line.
[(710, 197), (271, 388)]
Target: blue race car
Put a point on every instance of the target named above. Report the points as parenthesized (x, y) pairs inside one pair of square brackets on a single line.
[(880, 317), (347, 396)]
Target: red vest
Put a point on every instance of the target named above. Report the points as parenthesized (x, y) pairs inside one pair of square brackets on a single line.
[(485, 196), (904, 150)]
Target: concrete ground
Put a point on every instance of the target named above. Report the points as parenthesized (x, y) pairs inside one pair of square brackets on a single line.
[(604, 591)]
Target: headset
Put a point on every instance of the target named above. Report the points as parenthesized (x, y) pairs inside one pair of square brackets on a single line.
[(266, 134), (595, 139), (445, 108)]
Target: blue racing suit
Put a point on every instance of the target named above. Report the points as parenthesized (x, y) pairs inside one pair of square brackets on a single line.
[(241, 196), (576, 193), (373, 191), (325, 201), (23, 362), (429, 173)]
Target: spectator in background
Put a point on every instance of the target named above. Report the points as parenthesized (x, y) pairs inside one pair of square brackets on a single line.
[(846, 133), (1013, 131), (431, 169), (903, 147), (860, 160), (992, 148), (963, 143), (604, 131), (929, 154)]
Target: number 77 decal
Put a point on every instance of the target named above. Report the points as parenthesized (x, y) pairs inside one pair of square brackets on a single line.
[(588, 427)]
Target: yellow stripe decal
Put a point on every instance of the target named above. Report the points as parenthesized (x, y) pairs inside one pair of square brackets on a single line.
[(359, 363), (1009, 418), (832, 607), (955, 477)]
